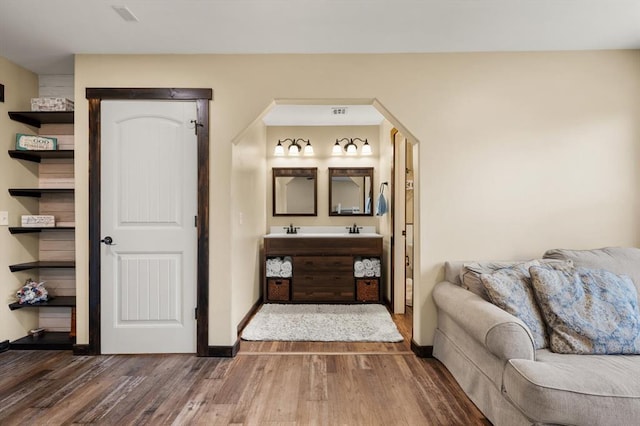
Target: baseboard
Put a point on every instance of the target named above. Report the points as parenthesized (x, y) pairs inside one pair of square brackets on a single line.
[(421, 351), (81, 350), (243, 323), (224, 351)]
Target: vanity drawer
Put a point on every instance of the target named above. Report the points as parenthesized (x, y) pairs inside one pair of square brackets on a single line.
[(323, 288), (322, 265)]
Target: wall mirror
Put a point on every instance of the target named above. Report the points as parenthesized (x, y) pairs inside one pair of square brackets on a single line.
[(351, 191), (294, 191)]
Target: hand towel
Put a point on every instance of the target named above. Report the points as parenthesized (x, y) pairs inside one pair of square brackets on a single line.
[(381, 207)]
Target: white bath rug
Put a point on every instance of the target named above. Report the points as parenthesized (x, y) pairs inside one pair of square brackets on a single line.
[(322, 323)]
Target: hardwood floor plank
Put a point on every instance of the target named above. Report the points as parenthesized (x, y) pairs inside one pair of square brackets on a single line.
[(268, 383)]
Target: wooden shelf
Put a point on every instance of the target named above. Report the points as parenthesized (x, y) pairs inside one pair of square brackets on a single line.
[(38, 118), (49, 340), (54, 302), (29, 230), (43, 265), (37, 192), (37, 156)]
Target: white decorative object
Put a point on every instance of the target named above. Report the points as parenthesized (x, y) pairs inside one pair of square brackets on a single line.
[(32, 292), (38, 221), (51, 104), (35, 143)]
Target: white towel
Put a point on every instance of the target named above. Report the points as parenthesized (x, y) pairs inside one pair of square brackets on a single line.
[(376, 271), (367, 264), (286, 268), (358, 266), (358, 274)]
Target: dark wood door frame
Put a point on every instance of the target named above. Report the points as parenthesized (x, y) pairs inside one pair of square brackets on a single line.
[(202, 97)]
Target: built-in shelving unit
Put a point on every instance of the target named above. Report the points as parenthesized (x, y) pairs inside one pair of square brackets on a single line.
[(42, 264), (55, 195), (34, 230), (37, 192), (38, 118), (55, 302), (38, 156), (49, 341)]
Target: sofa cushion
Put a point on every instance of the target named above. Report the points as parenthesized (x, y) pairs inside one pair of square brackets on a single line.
[(588, 311), (576, 389), (510, 290), (471, 271), (619, 260)]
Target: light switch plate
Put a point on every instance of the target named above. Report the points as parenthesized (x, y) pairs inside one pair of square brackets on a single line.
[(4, 218)]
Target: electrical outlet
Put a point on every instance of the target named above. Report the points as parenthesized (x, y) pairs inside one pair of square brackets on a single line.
[(4, 218)]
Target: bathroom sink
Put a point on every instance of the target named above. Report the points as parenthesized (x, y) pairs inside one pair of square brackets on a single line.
[(322, 232), (323, 235)]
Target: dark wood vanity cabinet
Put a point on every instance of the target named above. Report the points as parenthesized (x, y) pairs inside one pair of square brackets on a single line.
[(323, 269)]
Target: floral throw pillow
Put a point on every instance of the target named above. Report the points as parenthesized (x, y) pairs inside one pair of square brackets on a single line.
[(588, 311), (510, 290)]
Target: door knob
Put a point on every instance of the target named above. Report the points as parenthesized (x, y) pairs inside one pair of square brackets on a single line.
[(108, 241)]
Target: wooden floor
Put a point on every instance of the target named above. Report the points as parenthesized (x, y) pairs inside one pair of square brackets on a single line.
[(265, 384)]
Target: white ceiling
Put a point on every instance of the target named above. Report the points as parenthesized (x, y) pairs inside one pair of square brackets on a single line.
[(42, 35)]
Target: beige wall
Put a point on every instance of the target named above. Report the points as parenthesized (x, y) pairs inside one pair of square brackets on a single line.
[(248, 218), (518, 152), (20, 86)]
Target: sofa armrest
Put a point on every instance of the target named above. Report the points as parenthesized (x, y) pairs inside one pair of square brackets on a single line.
[(504, 335)]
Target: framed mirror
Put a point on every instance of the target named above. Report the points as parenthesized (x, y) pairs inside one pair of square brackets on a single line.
[(351, 191), (295, 191)]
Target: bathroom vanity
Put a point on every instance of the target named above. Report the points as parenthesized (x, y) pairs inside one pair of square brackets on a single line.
[(322, 268)]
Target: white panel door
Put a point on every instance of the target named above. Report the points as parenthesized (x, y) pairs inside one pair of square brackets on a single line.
[(148, 210)]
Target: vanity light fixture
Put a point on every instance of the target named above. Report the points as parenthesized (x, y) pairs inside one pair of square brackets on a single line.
[(350, 147), (308, 149), (278, 150), (294, 148), (337, 149), (366, 148)]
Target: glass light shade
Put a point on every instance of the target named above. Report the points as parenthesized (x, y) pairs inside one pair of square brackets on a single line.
[(366, 149), (278, 150), (294, 149), (308, 149), (351, 148), (337, 149)]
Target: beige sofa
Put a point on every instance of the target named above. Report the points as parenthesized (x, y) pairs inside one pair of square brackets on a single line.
[(491, 354)]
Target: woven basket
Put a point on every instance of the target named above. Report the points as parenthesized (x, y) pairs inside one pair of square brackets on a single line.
[(278, 289), (367, 290)]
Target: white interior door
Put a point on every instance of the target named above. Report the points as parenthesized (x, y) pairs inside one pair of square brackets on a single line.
[(148, 209)]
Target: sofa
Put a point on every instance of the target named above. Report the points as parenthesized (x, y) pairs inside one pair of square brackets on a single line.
[(494, 357)]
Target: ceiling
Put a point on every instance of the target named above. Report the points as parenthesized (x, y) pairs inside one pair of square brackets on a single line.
[(42, 36)]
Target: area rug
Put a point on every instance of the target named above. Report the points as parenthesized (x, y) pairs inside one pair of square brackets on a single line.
[(322, 323)]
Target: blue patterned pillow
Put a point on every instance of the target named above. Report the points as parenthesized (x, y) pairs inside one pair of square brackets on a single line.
[(588, 311), (510, 290)]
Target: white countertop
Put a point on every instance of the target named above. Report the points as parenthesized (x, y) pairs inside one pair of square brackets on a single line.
[(322, 232)]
